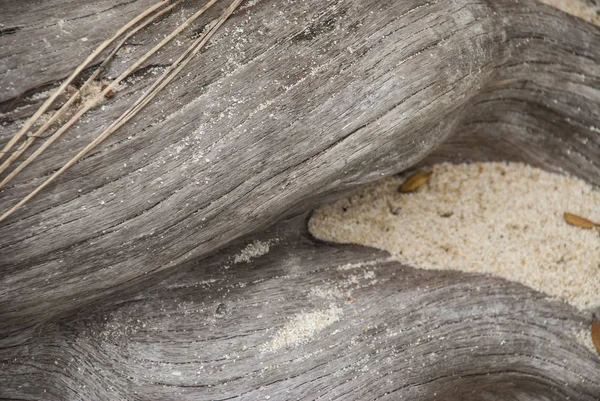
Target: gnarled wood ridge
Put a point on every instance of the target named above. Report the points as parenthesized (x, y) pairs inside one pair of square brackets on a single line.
[(120, 279)]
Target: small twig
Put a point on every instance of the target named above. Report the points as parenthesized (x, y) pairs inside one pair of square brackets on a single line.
[(75, 73), (38, 134), (181, 62), (101, 95)]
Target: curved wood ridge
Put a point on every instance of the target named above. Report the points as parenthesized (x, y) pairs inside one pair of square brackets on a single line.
[(291, 105), (209, 331)]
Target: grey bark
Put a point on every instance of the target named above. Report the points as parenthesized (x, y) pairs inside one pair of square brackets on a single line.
[(312, 99)]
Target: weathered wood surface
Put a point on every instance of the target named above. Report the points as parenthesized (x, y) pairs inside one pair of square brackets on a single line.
[(310, 100), (346, 91), (404, 334)]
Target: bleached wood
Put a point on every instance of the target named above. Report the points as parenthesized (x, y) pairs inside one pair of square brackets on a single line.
[(293, 104)]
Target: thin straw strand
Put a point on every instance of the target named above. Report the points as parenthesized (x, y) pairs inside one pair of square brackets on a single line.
[(38, 134), (99, 96), (128, 115), (75, 73), (176, 67)]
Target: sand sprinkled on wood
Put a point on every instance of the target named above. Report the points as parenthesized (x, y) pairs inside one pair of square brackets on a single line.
[(252, 251), (505, 219), (302, 327), (583, 337)]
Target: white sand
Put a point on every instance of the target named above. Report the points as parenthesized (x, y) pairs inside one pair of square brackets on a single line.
[(301, 328), (584, 338), (583, 9), (497, 218), (252, 251)]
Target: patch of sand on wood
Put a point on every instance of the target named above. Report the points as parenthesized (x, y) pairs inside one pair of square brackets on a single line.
[(302, 327), (584, 338), (252, 251)]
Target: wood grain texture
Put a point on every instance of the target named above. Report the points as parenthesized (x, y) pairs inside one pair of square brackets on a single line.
[(293, 104), (370, 94), (405, 333)]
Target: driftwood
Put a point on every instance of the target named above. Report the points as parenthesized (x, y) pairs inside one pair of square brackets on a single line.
[(106, 291), (403, 334)]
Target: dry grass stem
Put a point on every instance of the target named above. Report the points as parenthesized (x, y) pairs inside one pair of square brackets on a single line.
[(110, 87), (164, 80), (75, 73), (60, 112)]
